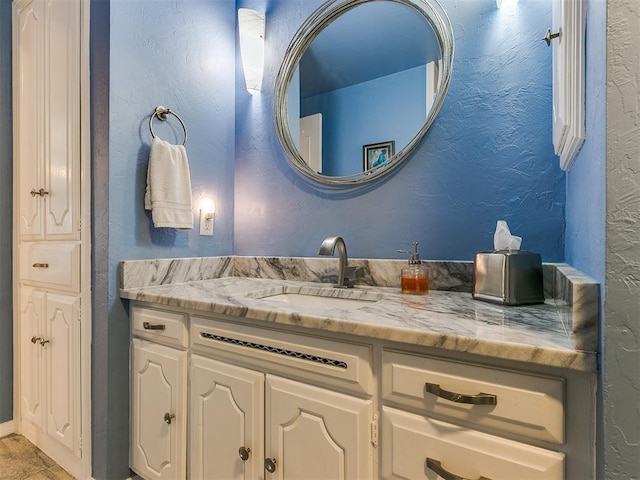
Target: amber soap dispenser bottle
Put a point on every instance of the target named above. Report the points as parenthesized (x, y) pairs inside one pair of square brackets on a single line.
[(414, 278)]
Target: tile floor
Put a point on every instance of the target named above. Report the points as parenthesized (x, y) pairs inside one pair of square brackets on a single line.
[(21, 460)]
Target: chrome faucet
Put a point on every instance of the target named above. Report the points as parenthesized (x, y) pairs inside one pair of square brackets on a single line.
[(345, 273)]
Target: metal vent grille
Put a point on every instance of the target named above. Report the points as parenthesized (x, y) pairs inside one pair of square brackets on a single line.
[(279, 351)]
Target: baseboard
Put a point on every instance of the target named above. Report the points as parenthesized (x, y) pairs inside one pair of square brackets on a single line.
[(7, 428)]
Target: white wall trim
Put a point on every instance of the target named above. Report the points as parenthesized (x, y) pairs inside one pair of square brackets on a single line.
[(569, 19), (7, 428)]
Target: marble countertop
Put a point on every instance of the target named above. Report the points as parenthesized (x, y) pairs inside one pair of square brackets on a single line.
[(449, 320)]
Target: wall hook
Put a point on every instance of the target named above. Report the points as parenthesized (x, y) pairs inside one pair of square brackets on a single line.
[(550, 36)]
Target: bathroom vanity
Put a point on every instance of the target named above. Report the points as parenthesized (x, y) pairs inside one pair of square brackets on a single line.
[(231, 381)]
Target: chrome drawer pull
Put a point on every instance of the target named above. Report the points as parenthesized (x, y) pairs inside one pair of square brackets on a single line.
[(40, 265), (437, 467), (479, 399), (151, 326)]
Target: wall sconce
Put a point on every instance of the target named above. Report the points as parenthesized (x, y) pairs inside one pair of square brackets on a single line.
[(506, 3), (207, 215), (251, 27)]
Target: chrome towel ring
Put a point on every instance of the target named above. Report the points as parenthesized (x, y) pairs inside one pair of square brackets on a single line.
[(162, 112)]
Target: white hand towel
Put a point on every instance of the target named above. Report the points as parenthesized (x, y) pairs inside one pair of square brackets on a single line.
[(168, 192)]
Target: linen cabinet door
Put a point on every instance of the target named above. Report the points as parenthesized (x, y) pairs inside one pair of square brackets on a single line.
[(31, 355), (62, 125), (158, 423), (226, 421), (29, 124), (61, 344), (314, 433)]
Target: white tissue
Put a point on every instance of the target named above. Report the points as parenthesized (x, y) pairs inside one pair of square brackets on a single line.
[(503, 240)]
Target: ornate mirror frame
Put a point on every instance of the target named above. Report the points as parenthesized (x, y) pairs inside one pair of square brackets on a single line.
[(434, 15)]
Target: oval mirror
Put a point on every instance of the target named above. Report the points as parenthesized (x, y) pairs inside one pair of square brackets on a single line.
[(359, 86)]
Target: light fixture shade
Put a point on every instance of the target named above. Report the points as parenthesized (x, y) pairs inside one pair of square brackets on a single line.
[(251, 28)]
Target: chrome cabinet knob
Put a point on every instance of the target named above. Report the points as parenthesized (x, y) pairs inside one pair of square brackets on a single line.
[(244, 453), (168, 417), (270, 465)]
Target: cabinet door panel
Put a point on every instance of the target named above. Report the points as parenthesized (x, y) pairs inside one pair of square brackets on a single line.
[(314, 433), (29, 147), (62, 158), (158, 389), (31, 366), (62, 334), (226, 413), (408, 440)]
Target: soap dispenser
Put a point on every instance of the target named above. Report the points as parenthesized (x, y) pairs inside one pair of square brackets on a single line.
[(414, 277)]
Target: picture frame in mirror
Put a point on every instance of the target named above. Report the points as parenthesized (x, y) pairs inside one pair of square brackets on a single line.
[(377, 154)]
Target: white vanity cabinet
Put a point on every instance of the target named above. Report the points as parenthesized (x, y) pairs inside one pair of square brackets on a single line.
[(275, 402), (249, 421), (262, 404), (158, 394), (237, 414), (438, 412)]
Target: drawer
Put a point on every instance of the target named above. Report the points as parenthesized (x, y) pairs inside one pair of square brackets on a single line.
[(56, 266), (159, 326), (333, 363), (417, 447), (527, 405)]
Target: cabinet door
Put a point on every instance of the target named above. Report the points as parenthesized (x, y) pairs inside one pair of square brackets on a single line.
[(226, 413), (314, 433), (62, 353), (47, 147), (62, 119), (29, 125), (158, 423), (31, 355), (415, 447)]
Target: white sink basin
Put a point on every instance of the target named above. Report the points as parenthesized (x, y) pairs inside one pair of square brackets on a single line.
[(318, 298), (302, 300)]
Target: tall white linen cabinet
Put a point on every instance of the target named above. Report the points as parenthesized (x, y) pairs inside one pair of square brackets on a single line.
[(51, 229)]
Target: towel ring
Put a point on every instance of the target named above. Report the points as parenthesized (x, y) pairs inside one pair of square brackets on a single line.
[(162, 112)]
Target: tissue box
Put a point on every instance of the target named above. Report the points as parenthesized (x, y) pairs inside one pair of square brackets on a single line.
[(508, 277)]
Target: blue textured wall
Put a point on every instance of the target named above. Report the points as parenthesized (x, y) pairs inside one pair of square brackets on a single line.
[(6, 201), (180, 54), (586, 181), (487, 157)]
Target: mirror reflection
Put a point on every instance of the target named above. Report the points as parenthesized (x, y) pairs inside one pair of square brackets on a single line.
[(363, 89)]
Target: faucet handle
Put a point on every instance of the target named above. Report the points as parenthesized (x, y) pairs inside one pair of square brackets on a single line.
[(352, 273)]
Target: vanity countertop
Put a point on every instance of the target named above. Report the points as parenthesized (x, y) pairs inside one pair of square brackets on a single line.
[(540, 334)]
